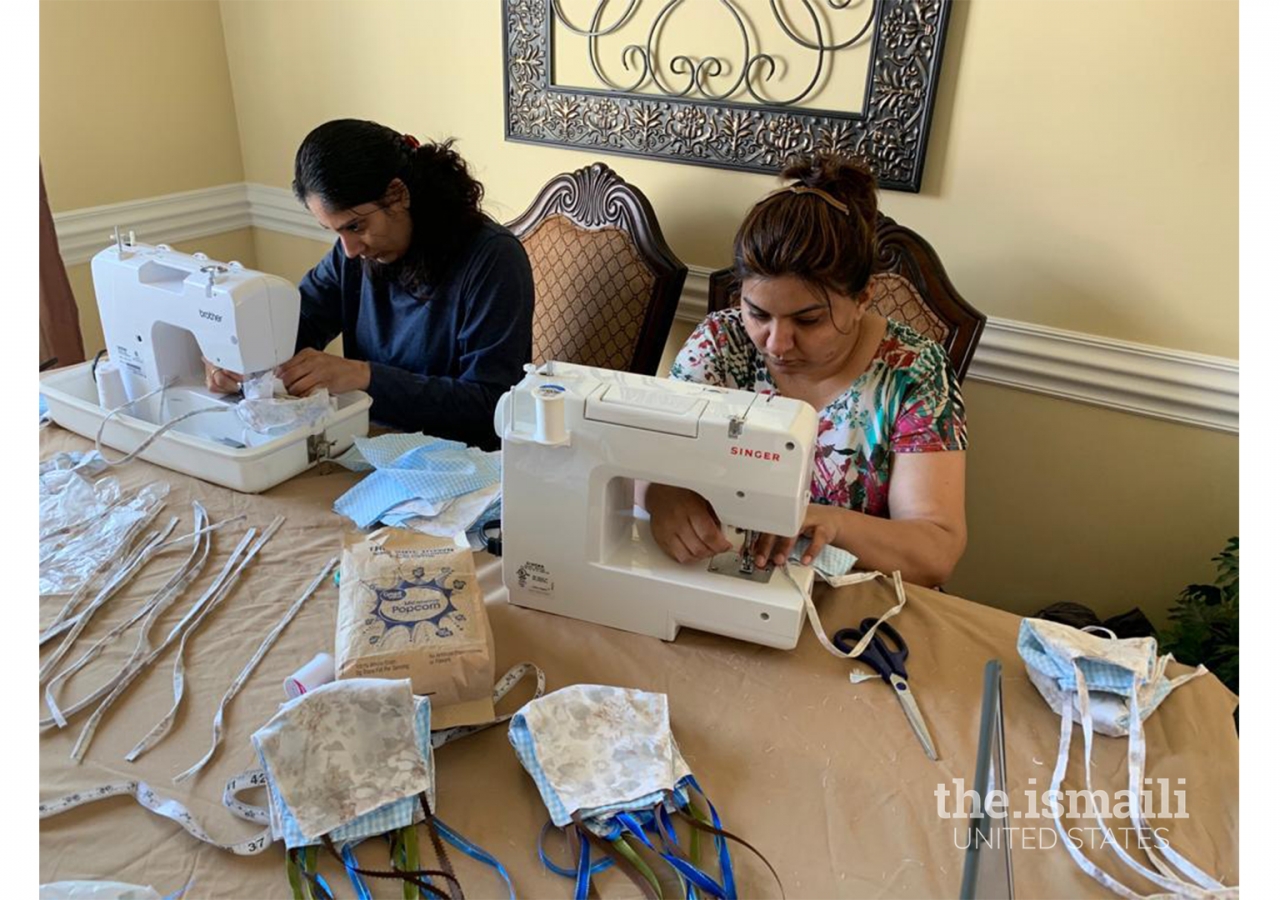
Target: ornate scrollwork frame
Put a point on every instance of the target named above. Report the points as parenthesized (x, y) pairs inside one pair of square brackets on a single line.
[(694, 125)]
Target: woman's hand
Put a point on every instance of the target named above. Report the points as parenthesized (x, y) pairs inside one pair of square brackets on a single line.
[(683, 524), (222, 381), (821, 525), (311, 369)]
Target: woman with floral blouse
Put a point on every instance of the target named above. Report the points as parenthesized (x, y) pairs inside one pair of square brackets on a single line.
[(888, 475)]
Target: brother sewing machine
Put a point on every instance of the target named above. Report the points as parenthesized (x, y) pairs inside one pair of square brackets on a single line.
[(574, 441), (162, 313)]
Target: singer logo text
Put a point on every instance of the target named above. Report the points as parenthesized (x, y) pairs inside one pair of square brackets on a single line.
[(766, 455)]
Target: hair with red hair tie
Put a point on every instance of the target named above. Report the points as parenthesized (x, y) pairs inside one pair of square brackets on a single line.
[(410, 141)]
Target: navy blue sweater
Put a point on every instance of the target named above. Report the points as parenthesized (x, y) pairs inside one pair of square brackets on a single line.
[(438, 364)]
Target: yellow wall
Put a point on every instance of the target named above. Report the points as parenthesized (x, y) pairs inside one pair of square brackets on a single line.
[(1074, 502), (135, 102), (1081, 171)]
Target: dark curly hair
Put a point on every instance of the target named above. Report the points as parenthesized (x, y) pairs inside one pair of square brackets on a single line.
[(351, 162), (805, 234)]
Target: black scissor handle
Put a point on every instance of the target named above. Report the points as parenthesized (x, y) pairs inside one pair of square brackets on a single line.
[(846, 639), (900, 649), (874, 654)]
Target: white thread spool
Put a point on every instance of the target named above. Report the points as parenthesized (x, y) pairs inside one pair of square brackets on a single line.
[(111, 392), (311, 676), (548, 425)]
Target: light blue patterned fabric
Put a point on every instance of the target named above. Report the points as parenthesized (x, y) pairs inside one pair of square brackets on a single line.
[(1090, 652), (597, 819), (1111, 672), (522, 741), (831, 561), (599, 747), (381, 820), (409, 466), (492, 514)]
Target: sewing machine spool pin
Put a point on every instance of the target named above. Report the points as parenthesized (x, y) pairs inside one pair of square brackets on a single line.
[(213, 270)]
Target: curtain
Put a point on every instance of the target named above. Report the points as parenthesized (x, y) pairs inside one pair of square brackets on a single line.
[(59, 318)]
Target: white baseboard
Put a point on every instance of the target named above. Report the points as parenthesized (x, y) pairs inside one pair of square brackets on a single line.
[(1174, 385)]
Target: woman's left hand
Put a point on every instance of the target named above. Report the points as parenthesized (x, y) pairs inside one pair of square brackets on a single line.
[(311, 369), (821, 524)]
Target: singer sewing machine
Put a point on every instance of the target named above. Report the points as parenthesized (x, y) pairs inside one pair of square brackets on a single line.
[(574, 441), (164, 313)]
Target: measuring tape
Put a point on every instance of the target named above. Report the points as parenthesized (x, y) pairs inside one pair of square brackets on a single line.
[(503, 687), (163, 806), (256, 778)]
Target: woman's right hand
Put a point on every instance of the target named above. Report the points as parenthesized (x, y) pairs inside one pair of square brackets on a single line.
[(221, 380), (684, 524)]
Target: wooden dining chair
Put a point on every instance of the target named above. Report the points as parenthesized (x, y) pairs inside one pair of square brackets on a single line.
[(908, 284), (606, 284)]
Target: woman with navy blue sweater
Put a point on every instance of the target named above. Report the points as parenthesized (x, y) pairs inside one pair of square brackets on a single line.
[(432, 298)]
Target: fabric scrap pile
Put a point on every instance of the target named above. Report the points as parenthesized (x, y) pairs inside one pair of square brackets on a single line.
[(434, 486)]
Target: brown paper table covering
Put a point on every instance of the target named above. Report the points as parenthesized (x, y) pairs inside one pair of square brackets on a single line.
[(824, 777)]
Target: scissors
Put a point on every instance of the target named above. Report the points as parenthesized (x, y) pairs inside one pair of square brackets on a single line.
[(892, 667)]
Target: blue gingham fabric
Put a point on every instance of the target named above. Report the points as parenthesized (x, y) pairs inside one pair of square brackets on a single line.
[(1108, 665), (522, 741), (831, 561), (404, 811), (409, 466)]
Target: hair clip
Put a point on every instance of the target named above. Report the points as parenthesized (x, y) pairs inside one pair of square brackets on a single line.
[(805, 189), (410, 141)]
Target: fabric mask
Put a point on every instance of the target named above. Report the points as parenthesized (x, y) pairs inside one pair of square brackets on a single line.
[(1110, 686), (605, 762), (354, 757), (350, 760)]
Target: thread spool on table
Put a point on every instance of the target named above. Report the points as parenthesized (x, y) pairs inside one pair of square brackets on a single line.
[(311, 676)]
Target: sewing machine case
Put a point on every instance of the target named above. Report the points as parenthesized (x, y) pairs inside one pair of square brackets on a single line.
[(203, 446)]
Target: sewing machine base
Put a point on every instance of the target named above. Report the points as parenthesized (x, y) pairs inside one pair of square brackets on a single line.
[(215, 447), (638, 588)]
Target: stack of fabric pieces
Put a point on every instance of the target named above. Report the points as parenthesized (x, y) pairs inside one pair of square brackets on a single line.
[(434, 486)]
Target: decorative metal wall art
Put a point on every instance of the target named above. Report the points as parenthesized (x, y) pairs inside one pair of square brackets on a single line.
[(672, 110)]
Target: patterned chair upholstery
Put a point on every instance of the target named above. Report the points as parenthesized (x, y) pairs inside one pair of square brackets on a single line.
[(606, 284), (909, 285)]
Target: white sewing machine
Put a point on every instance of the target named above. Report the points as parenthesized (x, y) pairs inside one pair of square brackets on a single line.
[(162, 312), (574, 441)]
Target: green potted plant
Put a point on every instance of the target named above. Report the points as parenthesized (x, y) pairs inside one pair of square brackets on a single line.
[(1204, 623)]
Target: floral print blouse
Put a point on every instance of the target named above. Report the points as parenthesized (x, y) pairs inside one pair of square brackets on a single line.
[(908, 401)]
